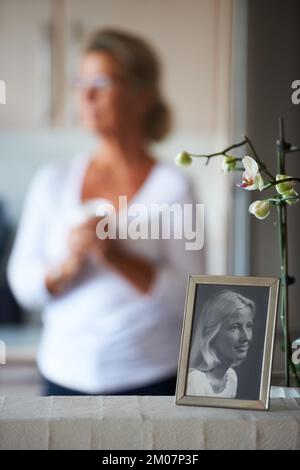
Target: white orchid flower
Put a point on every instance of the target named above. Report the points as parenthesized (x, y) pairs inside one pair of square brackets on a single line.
[(251, 179)]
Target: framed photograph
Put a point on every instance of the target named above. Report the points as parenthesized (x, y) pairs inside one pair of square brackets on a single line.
[(227, 342)]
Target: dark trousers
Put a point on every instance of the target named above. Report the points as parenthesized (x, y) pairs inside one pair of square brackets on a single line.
[(163, 387)]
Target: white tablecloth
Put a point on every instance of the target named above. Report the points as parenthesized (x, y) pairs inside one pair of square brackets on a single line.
[(143, 422)]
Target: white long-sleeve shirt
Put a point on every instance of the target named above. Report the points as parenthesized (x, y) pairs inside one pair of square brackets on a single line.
[(103, 334)]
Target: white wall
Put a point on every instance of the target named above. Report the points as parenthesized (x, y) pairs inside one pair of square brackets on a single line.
[(192, 38)]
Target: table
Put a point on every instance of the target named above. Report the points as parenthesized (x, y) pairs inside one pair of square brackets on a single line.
[(143, 422)]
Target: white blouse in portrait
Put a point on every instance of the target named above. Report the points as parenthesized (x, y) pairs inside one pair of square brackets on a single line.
[(199, 385)]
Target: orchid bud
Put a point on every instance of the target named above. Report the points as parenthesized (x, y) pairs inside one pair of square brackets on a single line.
[(284, 187), (260, 209), (290, 197), (229, 163), (183, 159)]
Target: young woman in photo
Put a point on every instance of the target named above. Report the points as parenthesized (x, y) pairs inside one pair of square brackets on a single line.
[(221, 340)]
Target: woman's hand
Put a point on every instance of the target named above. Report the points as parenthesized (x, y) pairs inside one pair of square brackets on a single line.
[(59, 279), (83, 241), (83, 244)]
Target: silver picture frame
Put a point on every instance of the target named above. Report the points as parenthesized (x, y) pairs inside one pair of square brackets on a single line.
[(196, 285)]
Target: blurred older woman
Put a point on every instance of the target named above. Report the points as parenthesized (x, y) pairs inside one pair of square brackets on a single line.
[(112, 309)]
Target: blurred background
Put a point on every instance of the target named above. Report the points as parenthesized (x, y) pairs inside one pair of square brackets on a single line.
[(228, 66)]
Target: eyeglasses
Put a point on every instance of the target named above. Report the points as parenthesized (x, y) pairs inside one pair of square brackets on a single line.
[(101, 82)]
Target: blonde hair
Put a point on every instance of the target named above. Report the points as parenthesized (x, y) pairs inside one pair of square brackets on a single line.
[(143, 70), (218, 308)]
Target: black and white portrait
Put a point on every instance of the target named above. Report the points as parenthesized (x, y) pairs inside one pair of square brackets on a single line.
[(226, 342)]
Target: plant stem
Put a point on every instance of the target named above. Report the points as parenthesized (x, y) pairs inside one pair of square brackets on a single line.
[(281, 218), (261, 164), (283, 287), (293, 148), (274, 183), (283, 251), (276, 200), (223, 152)]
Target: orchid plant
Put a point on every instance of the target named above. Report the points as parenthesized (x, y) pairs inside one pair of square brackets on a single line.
[(256, 176)]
